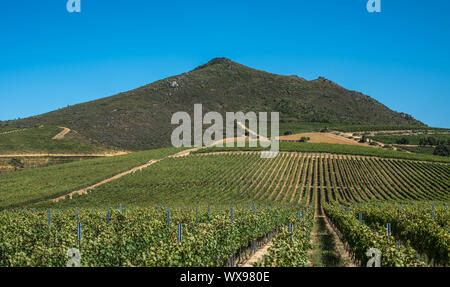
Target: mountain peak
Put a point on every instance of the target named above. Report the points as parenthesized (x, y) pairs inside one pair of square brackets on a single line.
[(215, 61)]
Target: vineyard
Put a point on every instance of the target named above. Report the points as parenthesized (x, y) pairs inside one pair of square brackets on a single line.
[(291, 178), (407, 234), (157, 236), (40, 184), (218, 209)]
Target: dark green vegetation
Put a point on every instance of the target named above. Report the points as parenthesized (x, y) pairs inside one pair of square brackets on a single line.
[(136, 237), (39, 140), (336, 149), (423, 139), (37, 161), (140, 119), (301, 127), (16, 163), (34, 185), (290, 247), (424, 227), (435, 144), (362, 237), (442, 150)]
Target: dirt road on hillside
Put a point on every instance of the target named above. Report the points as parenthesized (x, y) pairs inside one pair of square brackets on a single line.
[(138, 168), (62, 134), (63, 154), (13, 131)]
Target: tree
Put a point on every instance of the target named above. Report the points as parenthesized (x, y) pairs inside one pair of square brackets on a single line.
[(16, 163), (287, 133), (324, 130), (442, 150), (403, 141), (423, 142), (432, 141), (363, 139)]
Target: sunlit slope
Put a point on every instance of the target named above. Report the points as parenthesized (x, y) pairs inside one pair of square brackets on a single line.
[(39, 140)]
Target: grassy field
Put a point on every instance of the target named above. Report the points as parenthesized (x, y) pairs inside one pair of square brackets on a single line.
[(337, 149), (29, 186), (412, 139), (39, 140)]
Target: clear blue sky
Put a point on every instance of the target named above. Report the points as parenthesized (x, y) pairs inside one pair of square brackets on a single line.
[(50, 58)]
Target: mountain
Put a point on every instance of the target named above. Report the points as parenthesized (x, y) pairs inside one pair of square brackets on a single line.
[(140, 119)]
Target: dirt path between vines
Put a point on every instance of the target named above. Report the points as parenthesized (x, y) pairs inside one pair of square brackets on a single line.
[(258, 255), (62, 134), (328, 249), (87, 189), (117, 176)]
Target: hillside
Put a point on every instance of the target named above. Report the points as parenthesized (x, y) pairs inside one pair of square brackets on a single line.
[(140, 119), (40, 140)]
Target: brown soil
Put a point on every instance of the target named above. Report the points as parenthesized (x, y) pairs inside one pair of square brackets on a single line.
[(258, 255), (62, 134), (323, 138)]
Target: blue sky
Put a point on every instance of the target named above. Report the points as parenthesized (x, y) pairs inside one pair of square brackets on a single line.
[(50, 58)]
